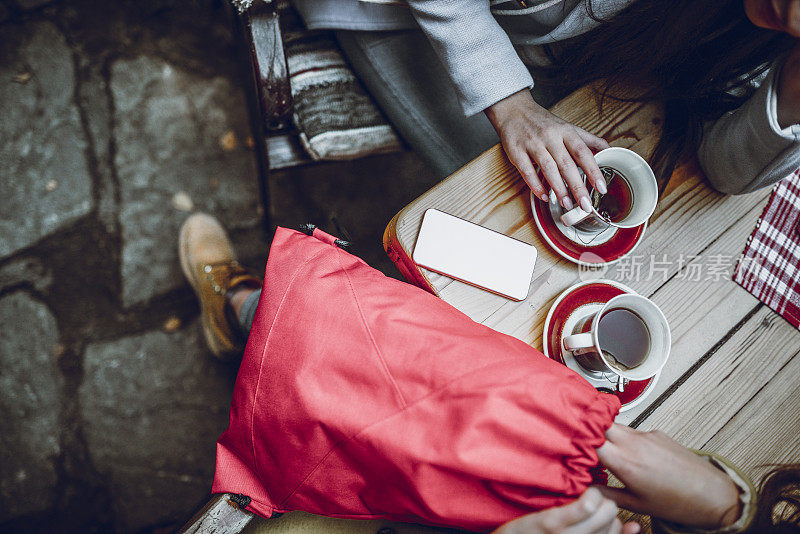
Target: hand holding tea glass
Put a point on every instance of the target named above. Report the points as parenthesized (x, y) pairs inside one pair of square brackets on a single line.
[(631, 193), (531, 134)]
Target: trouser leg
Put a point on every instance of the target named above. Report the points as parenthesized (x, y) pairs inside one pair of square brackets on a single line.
[(401, 71), (248, 311)]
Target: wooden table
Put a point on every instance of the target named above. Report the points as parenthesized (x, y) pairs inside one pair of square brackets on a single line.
[(731, 383)]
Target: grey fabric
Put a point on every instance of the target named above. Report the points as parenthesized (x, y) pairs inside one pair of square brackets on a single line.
[(483, 51), (328, 98), (335, 117), (354, 15), (468, 50), (405, 77), (747, 149), (474, 42), (248, 312)]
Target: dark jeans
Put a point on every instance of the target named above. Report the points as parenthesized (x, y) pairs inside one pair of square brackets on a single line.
[(248, 311)]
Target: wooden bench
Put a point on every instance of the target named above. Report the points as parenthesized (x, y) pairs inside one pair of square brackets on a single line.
[(259, 33)]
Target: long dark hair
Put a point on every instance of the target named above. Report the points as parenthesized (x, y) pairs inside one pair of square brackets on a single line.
[(779, 502), (698, 58)]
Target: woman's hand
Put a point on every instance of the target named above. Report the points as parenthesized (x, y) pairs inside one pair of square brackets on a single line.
[(531, 134), (591, 514), (665, 479)]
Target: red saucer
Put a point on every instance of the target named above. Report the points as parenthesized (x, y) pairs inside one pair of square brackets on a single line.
[(593, 293), (623, 241)]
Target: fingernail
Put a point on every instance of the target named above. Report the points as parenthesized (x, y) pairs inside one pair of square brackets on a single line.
[(546, 197), (585, 204), (601, 186), (566, 203), (593, 499)]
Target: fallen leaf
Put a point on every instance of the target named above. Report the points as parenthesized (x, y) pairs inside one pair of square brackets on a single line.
[(59, 350), (182, 201), (23, 77), (228, 141), (172, 324), (249, 142)]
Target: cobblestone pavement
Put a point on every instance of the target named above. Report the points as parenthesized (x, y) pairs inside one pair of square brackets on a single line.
[(118, 119)]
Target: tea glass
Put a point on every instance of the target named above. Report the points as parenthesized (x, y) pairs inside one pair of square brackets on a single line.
[(644, 192)]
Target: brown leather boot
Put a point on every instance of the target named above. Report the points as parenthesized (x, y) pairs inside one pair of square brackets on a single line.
[(209, 263)]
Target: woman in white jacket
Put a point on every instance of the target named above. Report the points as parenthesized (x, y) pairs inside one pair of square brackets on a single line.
[(724, 69)]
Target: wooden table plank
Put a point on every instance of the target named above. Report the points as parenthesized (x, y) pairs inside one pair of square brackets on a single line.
[(700, 313), (686, 220), (765, 431), (729, 379)]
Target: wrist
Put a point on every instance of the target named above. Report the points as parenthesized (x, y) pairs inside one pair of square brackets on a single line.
[(510, 106)]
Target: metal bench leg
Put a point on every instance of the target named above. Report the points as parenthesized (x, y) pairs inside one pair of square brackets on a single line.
[(221, 515)]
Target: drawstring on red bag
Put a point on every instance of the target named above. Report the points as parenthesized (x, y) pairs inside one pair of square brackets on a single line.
[(312, 230)]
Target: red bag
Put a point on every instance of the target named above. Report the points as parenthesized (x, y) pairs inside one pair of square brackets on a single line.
[(361, 396)]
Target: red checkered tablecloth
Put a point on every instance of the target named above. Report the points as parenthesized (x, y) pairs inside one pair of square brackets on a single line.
[(770, 264)]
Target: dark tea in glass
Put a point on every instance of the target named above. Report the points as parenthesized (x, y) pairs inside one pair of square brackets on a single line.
[(624, 338), (616, 204)]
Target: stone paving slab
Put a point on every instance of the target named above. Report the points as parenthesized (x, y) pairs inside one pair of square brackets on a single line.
[(31, 384), (44, 179), (153, 406), (180, 146), (25, 271)]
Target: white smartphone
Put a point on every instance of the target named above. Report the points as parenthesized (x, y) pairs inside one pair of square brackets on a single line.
[(474, 254)]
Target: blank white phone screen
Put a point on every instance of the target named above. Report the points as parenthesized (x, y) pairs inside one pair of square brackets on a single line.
[(474, 254)]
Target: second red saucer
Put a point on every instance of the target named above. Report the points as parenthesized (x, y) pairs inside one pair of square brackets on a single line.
[(570, 308), (583, 248)]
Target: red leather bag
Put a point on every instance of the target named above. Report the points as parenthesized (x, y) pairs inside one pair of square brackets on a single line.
[(361, 396)]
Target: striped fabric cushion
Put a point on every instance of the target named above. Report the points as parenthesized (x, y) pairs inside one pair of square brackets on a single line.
[(335, 117)]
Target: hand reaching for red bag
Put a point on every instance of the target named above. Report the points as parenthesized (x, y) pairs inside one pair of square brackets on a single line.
[(590, 514), (666, 480)]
